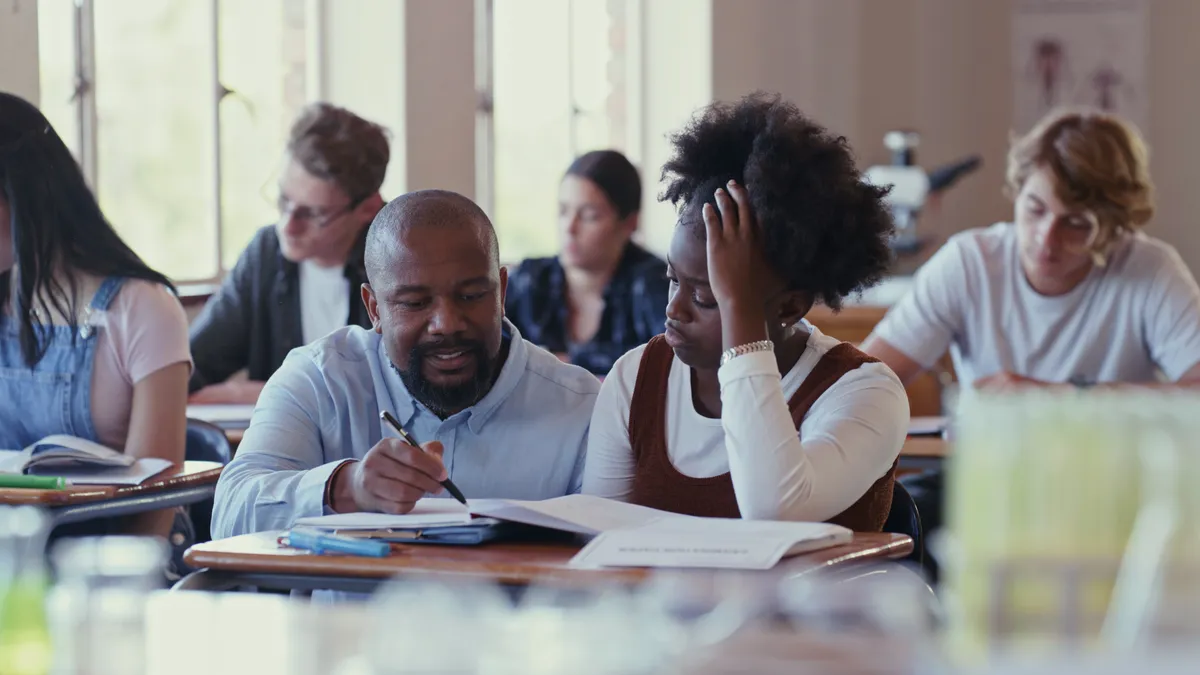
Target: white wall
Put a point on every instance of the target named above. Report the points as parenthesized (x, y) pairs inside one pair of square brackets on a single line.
[(676, 62), (19, 49), (1173, 132), (861, 67), (410, 66), (364, 70), (944, 68), (440, 94)]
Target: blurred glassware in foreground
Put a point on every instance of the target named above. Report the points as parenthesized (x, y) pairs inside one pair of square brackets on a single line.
[(25, 647), (1073, 520), (97, 606)]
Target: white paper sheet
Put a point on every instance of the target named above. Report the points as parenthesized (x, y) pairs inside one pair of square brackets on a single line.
[(708, 543), (429, 512)]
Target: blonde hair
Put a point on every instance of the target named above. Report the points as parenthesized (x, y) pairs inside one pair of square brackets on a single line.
[(1100, 165)]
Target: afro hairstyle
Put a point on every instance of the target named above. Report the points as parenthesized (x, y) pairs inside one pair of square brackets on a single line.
[(825, 231)]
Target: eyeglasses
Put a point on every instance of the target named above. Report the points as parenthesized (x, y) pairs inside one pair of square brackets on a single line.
[(310, 216)]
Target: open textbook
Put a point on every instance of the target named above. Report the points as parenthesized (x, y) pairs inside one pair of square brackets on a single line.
[(624, 534), (80, 462)]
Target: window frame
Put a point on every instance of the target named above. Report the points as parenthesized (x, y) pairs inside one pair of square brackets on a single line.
[(88, 127), (485, 137)]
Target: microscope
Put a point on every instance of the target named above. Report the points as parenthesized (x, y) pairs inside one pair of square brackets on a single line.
[(912, 186)]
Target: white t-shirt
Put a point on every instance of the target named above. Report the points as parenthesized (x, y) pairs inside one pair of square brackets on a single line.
[(847, 441), (1137, 315), (324, 300)]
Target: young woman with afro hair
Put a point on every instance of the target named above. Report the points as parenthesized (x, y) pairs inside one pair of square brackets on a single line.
[(742, 408)]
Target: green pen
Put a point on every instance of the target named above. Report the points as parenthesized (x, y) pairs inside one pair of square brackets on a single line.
[(20, 480)]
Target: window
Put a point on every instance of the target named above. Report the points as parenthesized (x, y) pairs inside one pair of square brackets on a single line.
[(178, 111), (557, 78)]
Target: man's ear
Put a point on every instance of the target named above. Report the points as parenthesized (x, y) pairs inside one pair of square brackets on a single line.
[(503, 289), (372, 305), (368, 208), (793, 306), (631, 223)]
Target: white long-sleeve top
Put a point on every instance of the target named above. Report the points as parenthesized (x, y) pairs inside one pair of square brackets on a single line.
[(848, 439)]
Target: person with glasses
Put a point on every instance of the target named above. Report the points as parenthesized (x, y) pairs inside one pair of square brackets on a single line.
[(1070, 294), (299, 279)]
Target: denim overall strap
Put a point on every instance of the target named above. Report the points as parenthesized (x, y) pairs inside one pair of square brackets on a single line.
[(105, 294), (54, 396), (81, 394)]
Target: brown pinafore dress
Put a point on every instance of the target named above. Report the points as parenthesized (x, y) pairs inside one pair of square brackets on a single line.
[(658, 484)]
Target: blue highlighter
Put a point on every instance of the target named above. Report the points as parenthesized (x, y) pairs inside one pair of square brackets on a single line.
[(320, 543)]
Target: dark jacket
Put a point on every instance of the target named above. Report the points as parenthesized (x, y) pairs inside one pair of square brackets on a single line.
[(253, 321), (635, 307)]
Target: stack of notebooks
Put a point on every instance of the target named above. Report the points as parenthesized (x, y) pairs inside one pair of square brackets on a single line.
[(79, 462), (623, 535)]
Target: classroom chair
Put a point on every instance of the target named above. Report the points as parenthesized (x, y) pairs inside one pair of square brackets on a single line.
[(905, 519), (205, 442), (902, 519)]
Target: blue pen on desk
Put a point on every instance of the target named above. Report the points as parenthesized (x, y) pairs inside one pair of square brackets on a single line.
[(320, 543)]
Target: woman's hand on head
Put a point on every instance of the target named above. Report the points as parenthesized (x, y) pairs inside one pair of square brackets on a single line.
[(738, 271)]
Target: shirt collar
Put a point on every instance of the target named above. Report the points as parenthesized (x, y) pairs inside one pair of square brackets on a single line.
[(511, 373), (402, 403)]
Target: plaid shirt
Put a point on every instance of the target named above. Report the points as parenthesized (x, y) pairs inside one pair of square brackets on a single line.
[(635, 306)]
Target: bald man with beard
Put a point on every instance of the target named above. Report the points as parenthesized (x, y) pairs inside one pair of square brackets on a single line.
[(496, 414)]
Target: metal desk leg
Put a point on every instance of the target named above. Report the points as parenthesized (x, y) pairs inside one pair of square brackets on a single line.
[(207, 580)]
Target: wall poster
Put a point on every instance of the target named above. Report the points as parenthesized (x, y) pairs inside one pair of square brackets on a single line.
[(1080, 53)]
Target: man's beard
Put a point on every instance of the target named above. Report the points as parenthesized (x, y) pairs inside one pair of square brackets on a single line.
[(444, 401)]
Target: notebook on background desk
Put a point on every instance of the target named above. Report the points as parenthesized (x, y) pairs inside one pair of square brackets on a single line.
[(928, 426), (227, 416)]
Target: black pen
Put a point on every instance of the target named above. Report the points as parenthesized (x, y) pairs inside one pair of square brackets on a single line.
[(448, 484)]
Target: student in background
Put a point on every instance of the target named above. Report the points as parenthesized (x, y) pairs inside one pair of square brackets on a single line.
[(496, 415), (299, 279), (93, 343), (602, 295), (1070, 294), (743, 408)]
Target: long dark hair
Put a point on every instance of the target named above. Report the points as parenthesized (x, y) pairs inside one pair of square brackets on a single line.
[(57, 227)]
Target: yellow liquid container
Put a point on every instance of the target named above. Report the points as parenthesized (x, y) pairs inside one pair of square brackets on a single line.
[(1043, 491), (25, 644)]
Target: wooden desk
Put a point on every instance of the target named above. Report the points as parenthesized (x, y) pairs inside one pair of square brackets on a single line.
[(854, 324), (923, 452), (257, 560), (177, 486)]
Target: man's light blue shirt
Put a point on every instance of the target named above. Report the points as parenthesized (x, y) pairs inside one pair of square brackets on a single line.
[(525, 439)]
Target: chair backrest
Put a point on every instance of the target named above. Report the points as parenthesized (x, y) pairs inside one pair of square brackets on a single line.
[(904, 519), (207, 442)]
